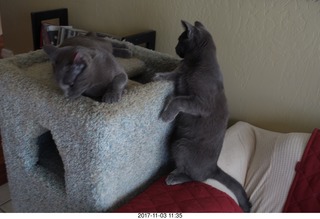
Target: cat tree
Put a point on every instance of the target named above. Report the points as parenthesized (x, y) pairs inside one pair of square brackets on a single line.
[(80, 155)]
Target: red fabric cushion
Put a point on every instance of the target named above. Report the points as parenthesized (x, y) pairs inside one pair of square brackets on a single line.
[(187, 197), (304, 194)]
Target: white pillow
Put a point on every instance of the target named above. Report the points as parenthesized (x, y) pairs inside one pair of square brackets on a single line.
[(263, 162)]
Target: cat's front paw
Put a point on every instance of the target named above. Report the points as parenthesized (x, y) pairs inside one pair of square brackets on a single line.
[(167, 116), (111, 97), (122, 53), (158, 76)]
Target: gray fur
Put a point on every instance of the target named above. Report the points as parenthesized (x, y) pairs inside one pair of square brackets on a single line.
[(199, 111), (85, 65)]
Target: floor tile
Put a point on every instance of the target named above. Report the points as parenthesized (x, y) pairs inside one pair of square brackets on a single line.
[(4, 193), (7, 207)]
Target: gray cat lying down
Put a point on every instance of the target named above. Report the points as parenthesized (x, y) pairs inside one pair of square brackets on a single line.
[(85, 65), (200, 113)]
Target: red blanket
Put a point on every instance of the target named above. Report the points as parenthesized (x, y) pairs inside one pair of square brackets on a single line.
[(188, 197), (304, 194)]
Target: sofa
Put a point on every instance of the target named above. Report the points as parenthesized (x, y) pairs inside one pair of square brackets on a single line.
[(279, 171)]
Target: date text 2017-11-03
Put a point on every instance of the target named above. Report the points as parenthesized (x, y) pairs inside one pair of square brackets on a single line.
[(159, 215)]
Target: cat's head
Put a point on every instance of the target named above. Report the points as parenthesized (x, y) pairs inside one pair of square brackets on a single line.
[(69, 66), (194, 38)]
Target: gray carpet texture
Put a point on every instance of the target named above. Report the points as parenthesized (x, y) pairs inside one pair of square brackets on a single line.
[(81, 155)]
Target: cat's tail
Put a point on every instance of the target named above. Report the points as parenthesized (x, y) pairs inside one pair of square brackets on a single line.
[(234, 186)]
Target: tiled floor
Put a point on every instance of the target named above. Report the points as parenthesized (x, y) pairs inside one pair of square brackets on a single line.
[(5, 202)]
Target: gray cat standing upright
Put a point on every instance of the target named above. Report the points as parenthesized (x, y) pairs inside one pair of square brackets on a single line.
[(200, 113), (85, 65)]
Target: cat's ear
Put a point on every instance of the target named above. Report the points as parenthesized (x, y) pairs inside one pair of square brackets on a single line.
[(198, 24), (79, 63), (78, 58), (51, 51), (188, 27)]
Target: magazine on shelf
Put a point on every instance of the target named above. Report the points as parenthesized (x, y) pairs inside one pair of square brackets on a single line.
[(67, 32), (49, 34), (55, 35)]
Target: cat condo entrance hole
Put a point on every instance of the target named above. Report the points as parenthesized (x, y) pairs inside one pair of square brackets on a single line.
[(49, 157)]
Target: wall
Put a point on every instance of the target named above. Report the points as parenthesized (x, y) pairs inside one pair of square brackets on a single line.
[(0, 26), (269, 50)]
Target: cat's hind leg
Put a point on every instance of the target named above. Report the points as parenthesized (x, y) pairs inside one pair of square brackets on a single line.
[(115, 88), (182, 155), (176, 177)]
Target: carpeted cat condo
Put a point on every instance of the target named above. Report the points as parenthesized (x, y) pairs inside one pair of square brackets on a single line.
[(80, 155)]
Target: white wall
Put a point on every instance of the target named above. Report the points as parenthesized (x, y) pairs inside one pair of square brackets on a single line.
[(269, 50)]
